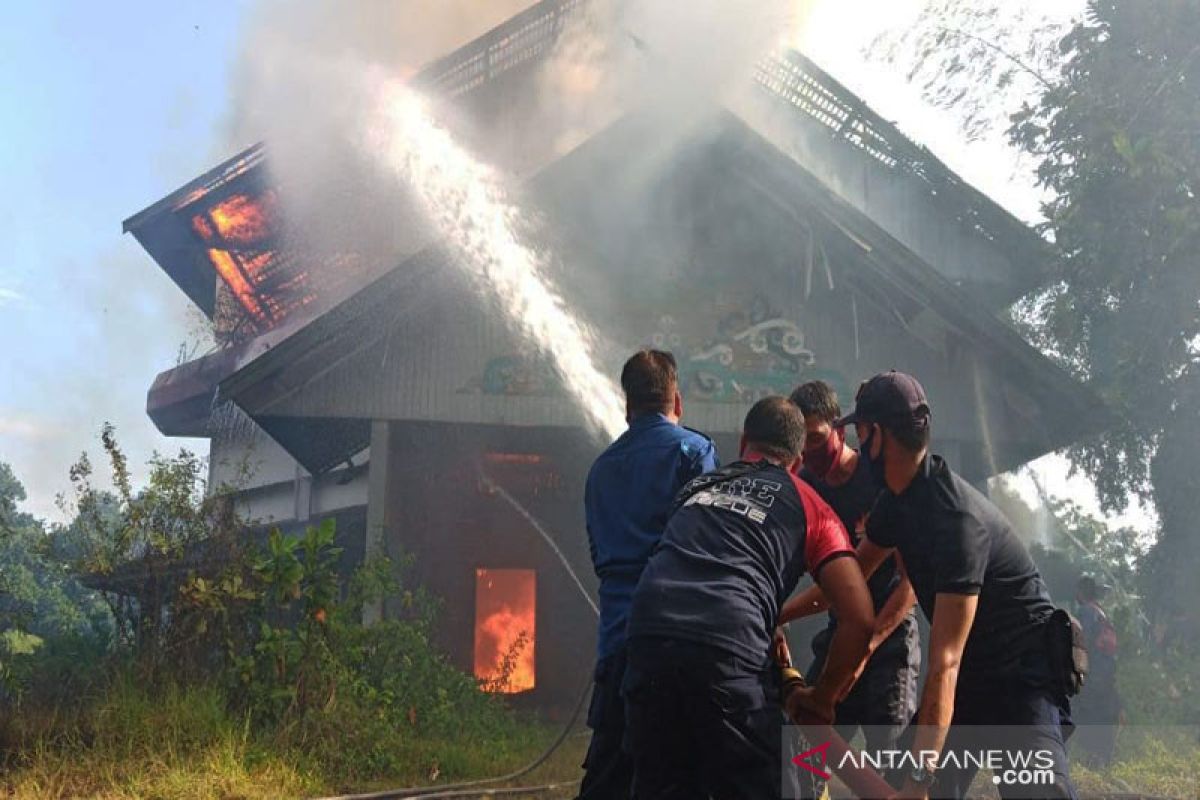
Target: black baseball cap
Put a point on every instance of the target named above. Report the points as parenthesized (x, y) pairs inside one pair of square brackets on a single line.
[(894, 397)]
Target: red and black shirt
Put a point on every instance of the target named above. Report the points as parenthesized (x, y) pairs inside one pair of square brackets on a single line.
[(733, 551)]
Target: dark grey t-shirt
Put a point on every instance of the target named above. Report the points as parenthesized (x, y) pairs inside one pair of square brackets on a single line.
[(739, 540), (852, 501), (954, 540)]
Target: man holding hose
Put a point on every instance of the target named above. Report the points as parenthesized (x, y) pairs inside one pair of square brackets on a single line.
[(627, 501), (884, 697), (997, 655), (702, 712)]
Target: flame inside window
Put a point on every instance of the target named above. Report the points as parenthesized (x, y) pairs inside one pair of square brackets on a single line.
[(505, 632), (240, 234)]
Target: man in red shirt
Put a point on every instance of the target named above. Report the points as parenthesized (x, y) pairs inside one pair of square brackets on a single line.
[(702, 713), (884, 697)]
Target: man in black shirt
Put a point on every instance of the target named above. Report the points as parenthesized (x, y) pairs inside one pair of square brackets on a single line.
[(884, 697), (702, 713), (990, 644)]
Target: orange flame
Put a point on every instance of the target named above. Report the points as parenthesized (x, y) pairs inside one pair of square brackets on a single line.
[(242, 220), (505, 632), (232, 275)]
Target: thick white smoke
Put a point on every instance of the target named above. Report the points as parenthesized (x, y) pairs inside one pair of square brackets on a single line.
[(310, 83), (682, 59), (299, 85)]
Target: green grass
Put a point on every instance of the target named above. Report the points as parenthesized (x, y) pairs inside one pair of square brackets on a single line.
[(130, 741), (1163, 763), (182, 743), (179, 744)]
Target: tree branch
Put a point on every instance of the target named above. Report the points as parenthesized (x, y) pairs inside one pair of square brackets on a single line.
[(993, 46)]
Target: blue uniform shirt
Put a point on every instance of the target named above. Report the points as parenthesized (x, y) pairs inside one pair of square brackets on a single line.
[(628, 500)]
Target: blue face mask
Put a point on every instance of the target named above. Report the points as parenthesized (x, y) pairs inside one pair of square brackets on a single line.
[(875, 466)]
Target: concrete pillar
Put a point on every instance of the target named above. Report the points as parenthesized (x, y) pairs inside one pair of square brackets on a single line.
[(302, 495)]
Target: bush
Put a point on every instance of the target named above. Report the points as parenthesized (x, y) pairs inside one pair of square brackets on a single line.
[(212, 662)]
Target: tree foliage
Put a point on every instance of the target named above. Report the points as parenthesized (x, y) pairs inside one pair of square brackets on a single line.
[(1108, 112), (39, 597), (1116, 143), (136, 546), (971, 57)]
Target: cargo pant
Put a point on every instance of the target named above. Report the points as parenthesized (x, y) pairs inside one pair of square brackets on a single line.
[(1019, 709), (701, 723), (608, 769)]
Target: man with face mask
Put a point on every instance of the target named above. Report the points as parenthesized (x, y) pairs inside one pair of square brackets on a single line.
[(885, 696), (993, 630)]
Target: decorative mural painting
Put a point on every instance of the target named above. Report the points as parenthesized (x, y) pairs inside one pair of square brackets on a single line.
[(517, 375), (755, 351), (752, 350)]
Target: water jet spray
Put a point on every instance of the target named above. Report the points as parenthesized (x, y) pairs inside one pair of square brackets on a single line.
[(468, 206)]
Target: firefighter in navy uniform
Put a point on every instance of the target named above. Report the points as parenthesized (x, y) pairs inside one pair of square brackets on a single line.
[(884, 697), (627, 501), (995, 654), (702, 709)]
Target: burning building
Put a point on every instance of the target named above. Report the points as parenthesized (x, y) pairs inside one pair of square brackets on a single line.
[(793, 235)]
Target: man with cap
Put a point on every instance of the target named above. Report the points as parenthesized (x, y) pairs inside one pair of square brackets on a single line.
[(702, 702), (627, 501), (991, 636)]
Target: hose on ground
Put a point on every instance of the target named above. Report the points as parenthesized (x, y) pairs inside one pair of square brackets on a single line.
[(499, 791), (474, 788)]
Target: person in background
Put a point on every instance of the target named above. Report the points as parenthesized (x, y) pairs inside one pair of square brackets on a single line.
[(996, 652), (702, 704), (884, 697), (1098, 707), (627, 502)]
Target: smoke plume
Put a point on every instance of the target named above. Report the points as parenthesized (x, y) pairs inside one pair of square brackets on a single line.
[(311, 80), (308, 72)]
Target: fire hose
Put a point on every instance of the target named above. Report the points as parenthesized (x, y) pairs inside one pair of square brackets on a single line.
[(863, 781), (478, 788)]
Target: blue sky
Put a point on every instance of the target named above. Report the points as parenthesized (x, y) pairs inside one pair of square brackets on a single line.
[(107, 107)]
